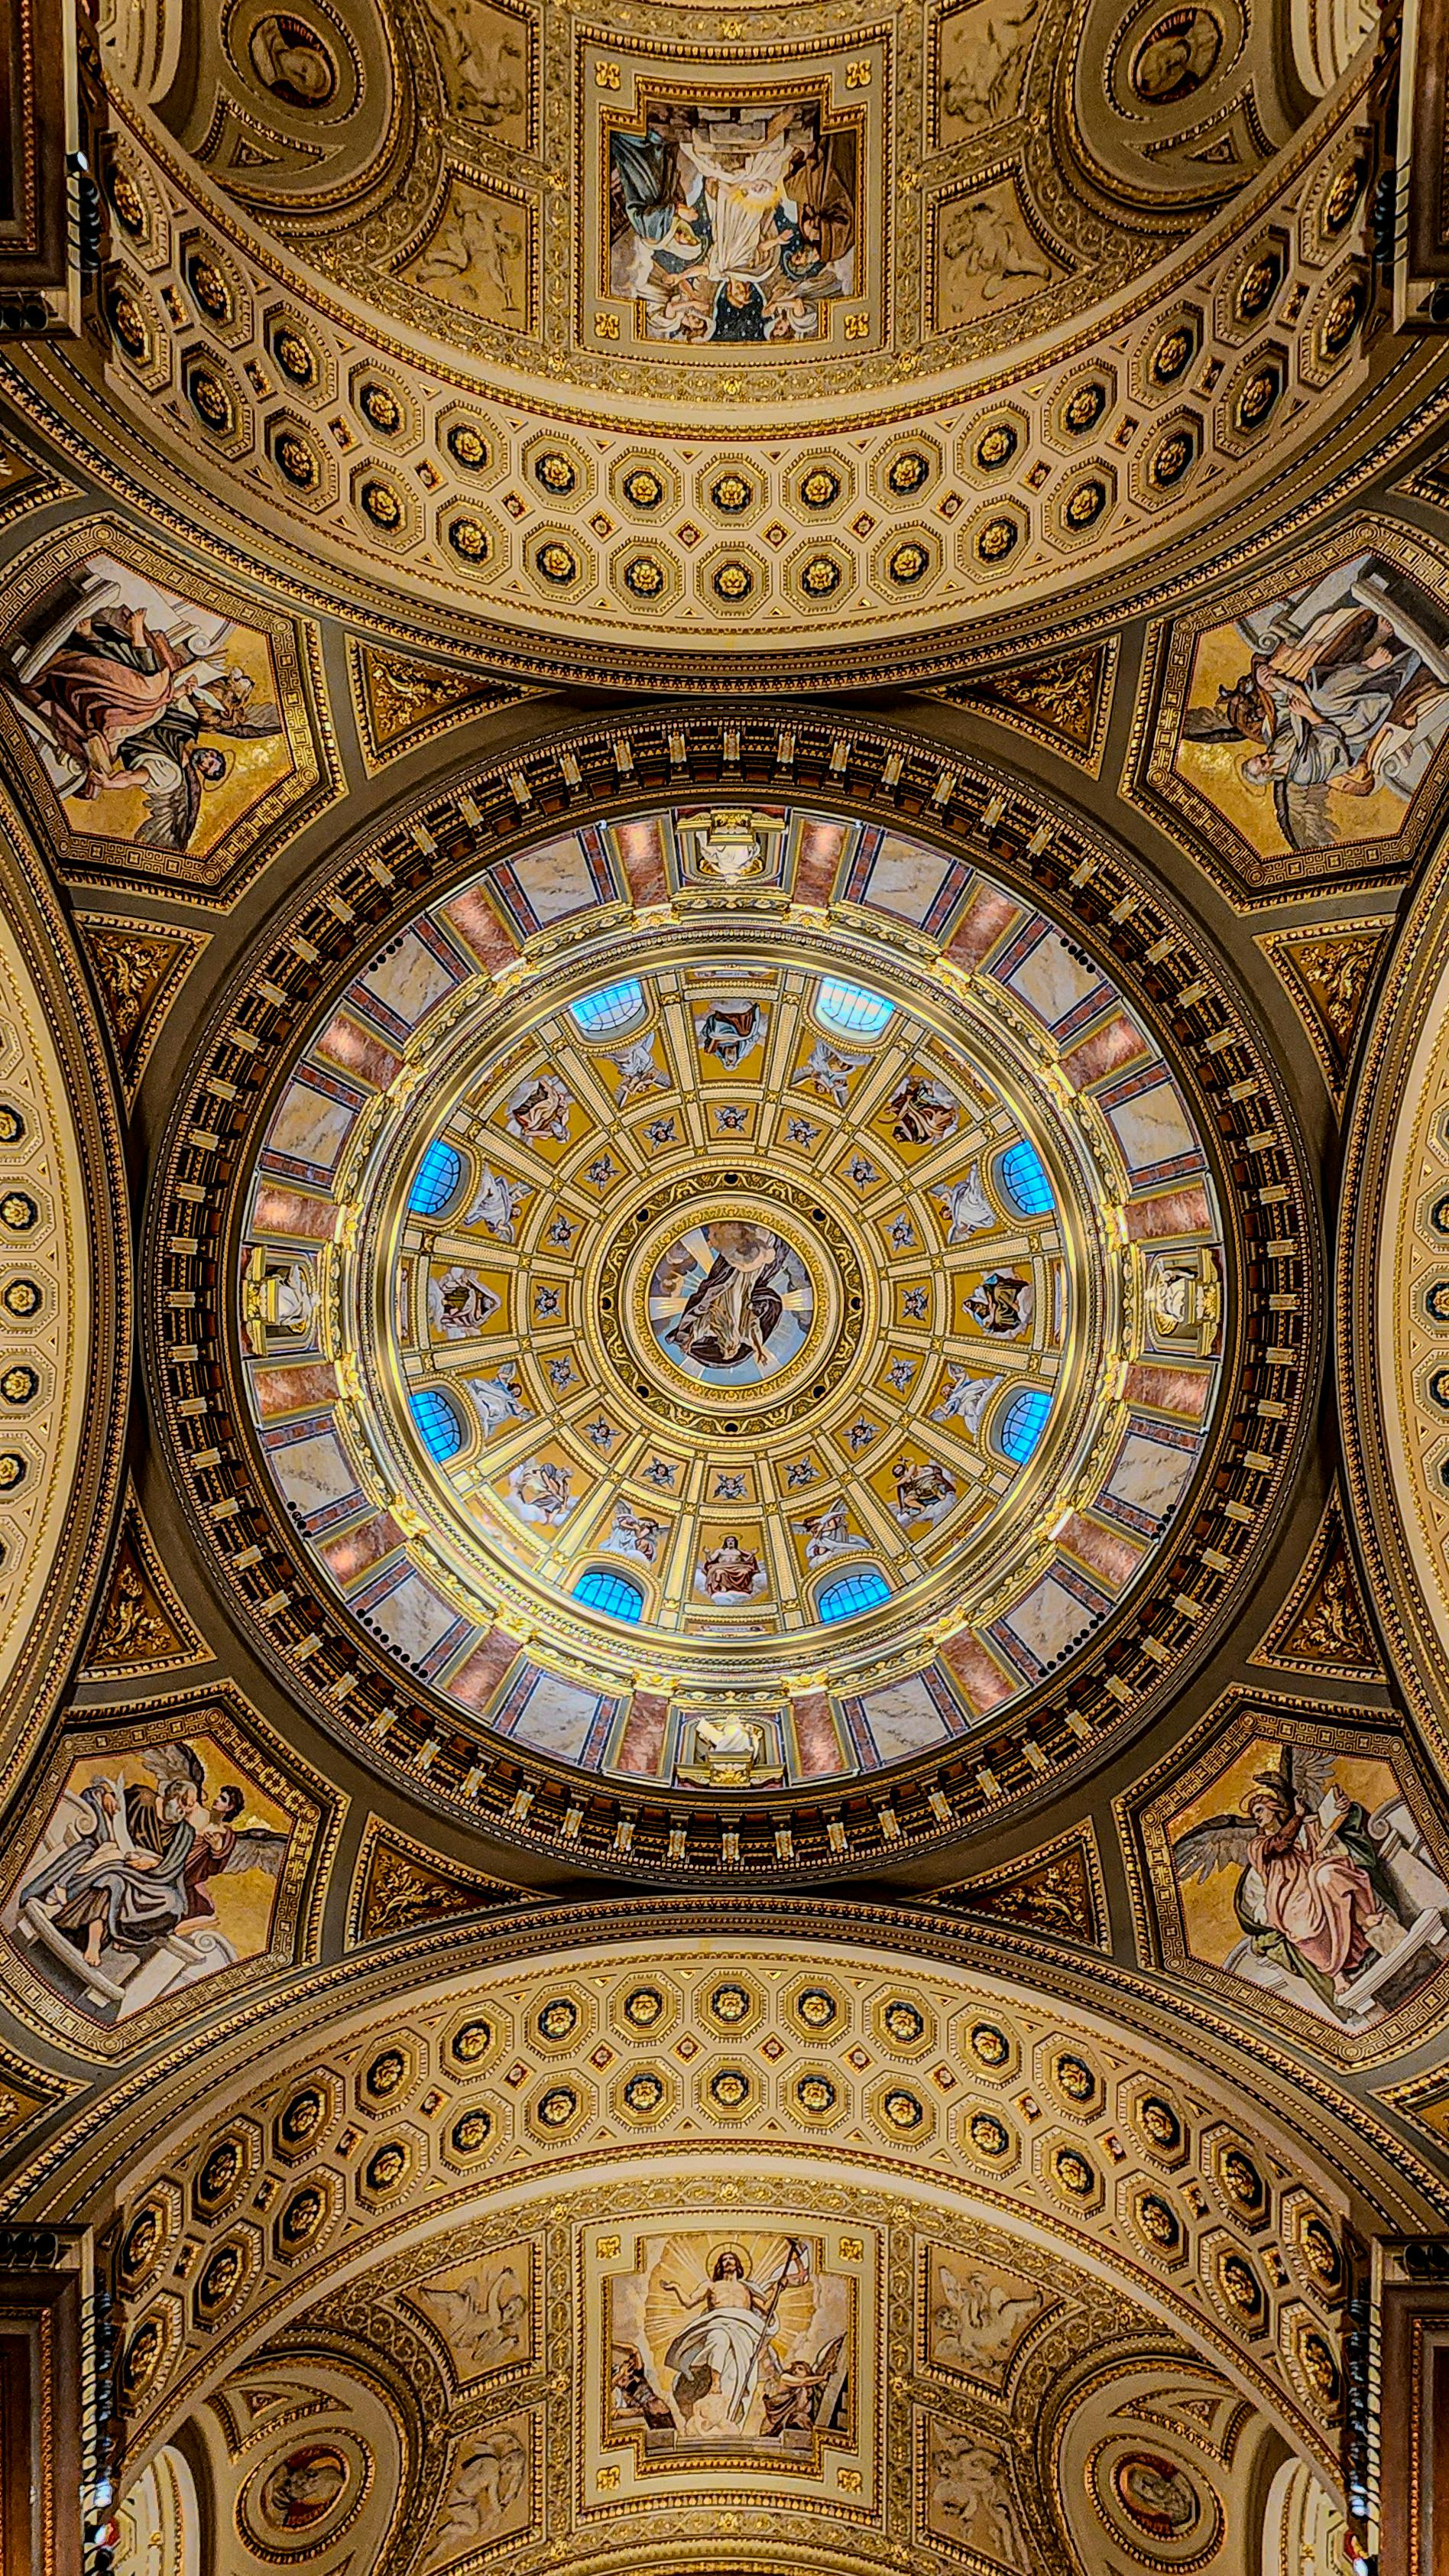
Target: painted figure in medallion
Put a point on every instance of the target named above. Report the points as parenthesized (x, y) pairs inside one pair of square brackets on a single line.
[(496, 1203), (924, 1111), (925, 1490), (965, 1399), (132, 696), (538, 1111), (1001, 1303), (729, 1571), (730, 1031), (460, 1303), (119, 1900), (731, 1300), (498, 1401), (1339, 1903), (827, 1072), (540, 1490), (634, 1533), (966, 1207), (735, 1307)]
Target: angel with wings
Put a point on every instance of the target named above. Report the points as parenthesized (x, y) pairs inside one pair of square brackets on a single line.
[(976, 2319), (1312, 1892), (175, 765), (827, 1071), (142, 1871)]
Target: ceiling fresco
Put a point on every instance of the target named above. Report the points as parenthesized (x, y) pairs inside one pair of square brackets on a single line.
[(911, 2320), (716, 1369), (726, 1295), (717, 336), (724, 1180)]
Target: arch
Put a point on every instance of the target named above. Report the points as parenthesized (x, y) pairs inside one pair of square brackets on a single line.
[(537, 2091), (1020, 1423), (846, 1594), (851, 1010), (438, 1421), (437, 1180), (611, 1010), (599, 1588), (160, 2520), (1024, 1181)]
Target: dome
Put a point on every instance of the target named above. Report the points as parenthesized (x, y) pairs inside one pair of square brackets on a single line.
[(718, 342), (733, 1297)]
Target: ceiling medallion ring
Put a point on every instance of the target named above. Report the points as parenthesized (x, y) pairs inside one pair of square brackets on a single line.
[(824, 1318), (468, 1563), (1085, 882)]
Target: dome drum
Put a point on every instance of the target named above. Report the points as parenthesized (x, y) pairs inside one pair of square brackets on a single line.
[(821, 1399)]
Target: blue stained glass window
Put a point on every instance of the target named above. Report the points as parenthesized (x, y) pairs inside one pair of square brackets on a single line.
[(1023, 1423), (435, 1180), (612, 1008), (851, 1008), (610, 1593), (859, 1591), (436, 1420), (1024, 1180)]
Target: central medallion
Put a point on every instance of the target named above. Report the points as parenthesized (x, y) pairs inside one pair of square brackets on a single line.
[(730, 1302)]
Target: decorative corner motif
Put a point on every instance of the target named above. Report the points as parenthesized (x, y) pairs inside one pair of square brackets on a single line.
[(399, 701), (1423, 2101), (139, 969), (142, 1626), (1296, 1867), (1056, 1891), (398, 1885), (1324, 1626), (1327, 973), (1063, 701), (26, 483), (27, 2093)]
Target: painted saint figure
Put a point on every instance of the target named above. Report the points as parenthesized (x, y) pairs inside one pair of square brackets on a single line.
[(1001, 1303), (717, 2359), (1345, 692), (732, 219), (923, 1111), (732, 1313), (116, 698), (730, 1571), (141, 1873), (1313, 1894)]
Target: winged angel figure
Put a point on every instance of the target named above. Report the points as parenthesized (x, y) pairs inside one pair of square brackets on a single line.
[(140, 1873), (1313, 1894), (978, 2320), (483, 2316)]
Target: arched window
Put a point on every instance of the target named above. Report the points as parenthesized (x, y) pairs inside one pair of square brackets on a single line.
[(858, 1591), (436, 1179), (617, 1006), (611, 1593), (437, 1421), (1023, 1177), (851, 1009), (1023, 1423)]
